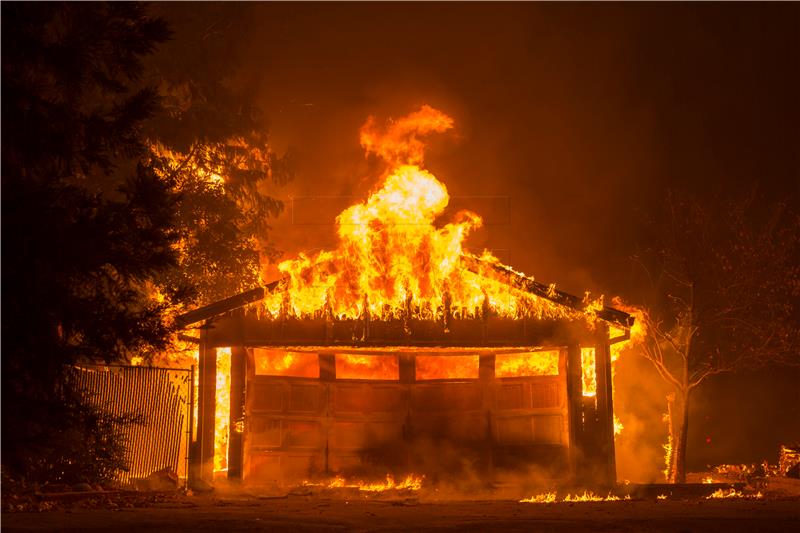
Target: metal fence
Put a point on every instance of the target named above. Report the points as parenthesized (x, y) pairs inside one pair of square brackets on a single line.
[(162, 396)]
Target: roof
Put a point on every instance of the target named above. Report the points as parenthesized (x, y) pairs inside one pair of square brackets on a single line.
[(474, 264)]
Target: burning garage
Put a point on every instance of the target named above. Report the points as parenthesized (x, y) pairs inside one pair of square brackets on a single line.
[(399, 352)]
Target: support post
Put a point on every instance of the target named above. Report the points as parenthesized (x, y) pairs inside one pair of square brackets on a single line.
[(605, 407), (407, 368), (575, 407), (486, 377), (236, 423), (207, 390), (327, 367)]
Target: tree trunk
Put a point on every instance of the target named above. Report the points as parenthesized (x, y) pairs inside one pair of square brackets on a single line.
[(672, 427), (680, 451)]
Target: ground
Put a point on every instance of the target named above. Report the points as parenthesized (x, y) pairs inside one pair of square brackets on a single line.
[(298, 513)]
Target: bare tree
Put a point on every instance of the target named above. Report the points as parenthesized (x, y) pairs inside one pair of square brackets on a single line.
[(726, 292)]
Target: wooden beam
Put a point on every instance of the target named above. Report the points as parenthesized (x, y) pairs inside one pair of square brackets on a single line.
[(207, 389), (228, 304), (188, 338), (529, 285), (236, 421), (605, 404), (575, 407)]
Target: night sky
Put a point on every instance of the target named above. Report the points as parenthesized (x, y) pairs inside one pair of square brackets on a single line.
[(572, 120)]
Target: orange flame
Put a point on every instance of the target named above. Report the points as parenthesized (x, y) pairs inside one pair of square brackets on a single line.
[(283, 363), (392, 258), (399, 142), (384, 367), (411, 482), (587, 496), (732, 493)]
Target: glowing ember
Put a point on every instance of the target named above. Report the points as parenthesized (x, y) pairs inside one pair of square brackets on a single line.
[(222, 410), (527, 364), (661, 497), (410, 482)]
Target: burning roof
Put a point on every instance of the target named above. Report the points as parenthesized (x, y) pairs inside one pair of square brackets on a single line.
[(394, 259)]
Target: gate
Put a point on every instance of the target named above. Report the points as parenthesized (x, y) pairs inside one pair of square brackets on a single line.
[(162, 396)]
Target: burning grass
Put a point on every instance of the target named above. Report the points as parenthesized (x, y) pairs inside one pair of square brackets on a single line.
[(411, 482), (722, 494), (586, 496)]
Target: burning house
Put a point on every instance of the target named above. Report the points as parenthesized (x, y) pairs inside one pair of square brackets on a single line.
[(401, 353)]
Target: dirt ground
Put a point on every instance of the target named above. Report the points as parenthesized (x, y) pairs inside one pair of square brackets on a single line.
[(314, 513)]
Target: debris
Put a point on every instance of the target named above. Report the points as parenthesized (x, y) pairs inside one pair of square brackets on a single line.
[(160, 480)]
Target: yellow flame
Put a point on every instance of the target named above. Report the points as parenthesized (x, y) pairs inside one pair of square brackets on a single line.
[(589, 372), (587, 496), (547, 497), (590, 497), (618, 427), (732, 493), (222, 410), (527, 364)]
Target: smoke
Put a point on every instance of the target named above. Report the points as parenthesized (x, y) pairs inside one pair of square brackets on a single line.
[(640, 403), (399, 142)]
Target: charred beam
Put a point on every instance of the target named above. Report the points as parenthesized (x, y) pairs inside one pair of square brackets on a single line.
[(605, 403), (188, 338), (207, 388), (228, 304), (526, 284), (236, 421), (575, 406)]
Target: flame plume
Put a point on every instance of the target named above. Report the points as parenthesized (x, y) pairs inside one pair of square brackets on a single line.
[(392, 256)]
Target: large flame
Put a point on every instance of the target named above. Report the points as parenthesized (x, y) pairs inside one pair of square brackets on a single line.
[(393, 256)]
